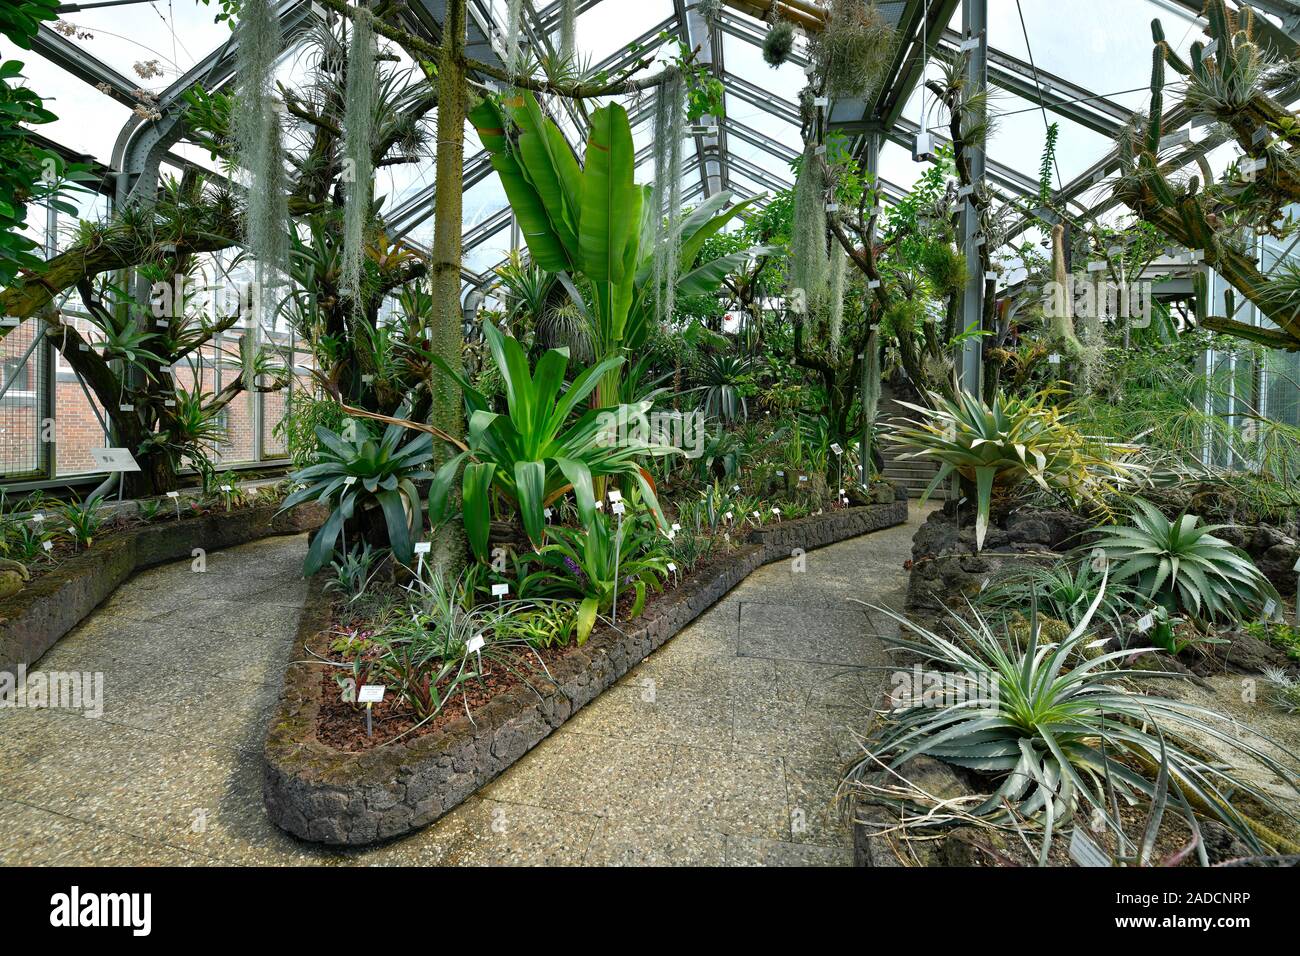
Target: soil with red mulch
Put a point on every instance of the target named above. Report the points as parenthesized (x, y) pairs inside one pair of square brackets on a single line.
[(342, 724)]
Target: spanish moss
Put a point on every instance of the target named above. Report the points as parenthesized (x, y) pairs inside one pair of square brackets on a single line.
[(809, 263), (514, 27), (836, 295), (358, 135), (670, 119), (568, 29), (255, 124)]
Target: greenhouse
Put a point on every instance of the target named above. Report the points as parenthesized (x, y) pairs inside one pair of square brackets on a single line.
[(793, 433)]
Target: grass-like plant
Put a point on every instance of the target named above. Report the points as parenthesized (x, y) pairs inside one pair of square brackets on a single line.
[(354, 470), (1057, 729), (999, 446), (1182, 566), (84, 519)]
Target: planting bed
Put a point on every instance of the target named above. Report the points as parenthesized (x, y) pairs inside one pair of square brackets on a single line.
[(33, 620), (326, 794)]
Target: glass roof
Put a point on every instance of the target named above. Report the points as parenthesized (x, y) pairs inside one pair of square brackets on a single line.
[(1082, 65)]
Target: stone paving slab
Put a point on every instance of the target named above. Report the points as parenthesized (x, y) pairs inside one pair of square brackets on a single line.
[(722, 748)]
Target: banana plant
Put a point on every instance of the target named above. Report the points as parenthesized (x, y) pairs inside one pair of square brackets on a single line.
[(577, 220), (531, 456), (595, 221)]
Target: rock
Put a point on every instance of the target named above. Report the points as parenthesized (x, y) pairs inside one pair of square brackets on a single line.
[(874, 847), (1221, 844)]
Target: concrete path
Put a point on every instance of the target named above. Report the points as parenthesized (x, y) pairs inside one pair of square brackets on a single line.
[(724, 747)]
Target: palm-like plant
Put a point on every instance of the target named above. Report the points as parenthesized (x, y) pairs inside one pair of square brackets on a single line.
[(1058, 730), (1001, 445), (1182, 566), (355, 469), (532, 455)]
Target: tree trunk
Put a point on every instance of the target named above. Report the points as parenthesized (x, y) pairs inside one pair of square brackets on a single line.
[(445, 335)]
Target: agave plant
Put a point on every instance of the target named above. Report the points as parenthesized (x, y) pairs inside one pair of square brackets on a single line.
[(356, 470), (999, 446), (1058, 729), (532, 456), (1182, 566)]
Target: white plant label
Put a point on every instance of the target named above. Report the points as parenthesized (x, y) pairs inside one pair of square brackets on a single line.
[(9, 322), (672, 567), (547, 513), (173, 494), (676, 526), (873, 284), (618, 507), (803, 477), (1086, 853), (474, 644), (371, 694), (227, 488), (1145, 622), (423, 547), (500, 590), (616, 496), (38, 517), (735, 487), (349, 480), (47, 545), (780, 474), (835, 447), (727, 516), (1054, 358), (1270, 608), (1097, 266), (776, 511)]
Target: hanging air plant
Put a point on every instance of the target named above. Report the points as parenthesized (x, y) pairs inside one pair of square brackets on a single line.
[(854, 49), (670, 121), (836, 296), (255, 125), (358, 164), (779, 43), (568, 29), (710, 10), (809, 263)]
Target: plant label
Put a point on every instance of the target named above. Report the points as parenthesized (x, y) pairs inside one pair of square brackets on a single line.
[(1259, 136), (1115, 251), (1270, 609), (83, 347), (971, 43), (735, 487), (39, 516), (873, 283), (1098, 176), (546, 512), (821, 101), (1297, 566), (9, 321), (991, 277), (1145, 622), (227, 489), (727, 516), (832, 207), (349, 481), (1098, 265), (169, 403), (500, 590), (618, 507), (173, 494), (820, 150), (672, 567), (676, 527), (475, 644), (368, 379), (128, 407), (423, 547), (1086, 853), (758, 515), (370, 694), (47, 545), (803, 478), (114, 459), (777, 512), (1054, 358), (600, 505), (835, 447)]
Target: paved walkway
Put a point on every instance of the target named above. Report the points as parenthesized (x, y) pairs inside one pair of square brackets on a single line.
[(721, 748)]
